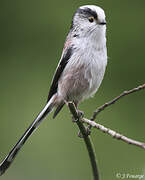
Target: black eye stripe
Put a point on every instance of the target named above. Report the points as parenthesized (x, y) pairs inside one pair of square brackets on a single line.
[(88, 12)]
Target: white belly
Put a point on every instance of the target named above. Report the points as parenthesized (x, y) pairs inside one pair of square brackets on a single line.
[(84, 72), (96, 68)]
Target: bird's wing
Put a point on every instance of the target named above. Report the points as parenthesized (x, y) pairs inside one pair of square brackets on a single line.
[(67, 53)]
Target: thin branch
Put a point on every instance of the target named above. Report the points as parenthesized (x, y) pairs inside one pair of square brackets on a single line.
[(86, 138), (91, 123), (113, 133), (125, 93)]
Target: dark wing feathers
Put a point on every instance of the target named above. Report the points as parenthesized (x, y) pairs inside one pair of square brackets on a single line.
[(59, 70)]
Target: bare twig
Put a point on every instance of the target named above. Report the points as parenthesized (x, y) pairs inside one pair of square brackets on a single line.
[(91, 123), (125, 93), (113, 133), (86, 138)]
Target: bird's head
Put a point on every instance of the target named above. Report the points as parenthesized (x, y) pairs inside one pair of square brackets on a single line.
[(88, 19)]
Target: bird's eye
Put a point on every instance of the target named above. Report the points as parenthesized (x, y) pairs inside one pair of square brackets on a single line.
[(91, 19)]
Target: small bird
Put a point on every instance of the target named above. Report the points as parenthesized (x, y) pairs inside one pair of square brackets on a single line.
[(80, 70)]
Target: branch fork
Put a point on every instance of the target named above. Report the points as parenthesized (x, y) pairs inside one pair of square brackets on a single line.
[(79, 119)]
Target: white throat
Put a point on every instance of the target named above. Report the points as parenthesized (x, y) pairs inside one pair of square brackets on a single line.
[(98, 38)]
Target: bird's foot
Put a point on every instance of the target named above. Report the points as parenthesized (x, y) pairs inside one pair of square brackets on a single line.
[(80, 115), (88, 132)]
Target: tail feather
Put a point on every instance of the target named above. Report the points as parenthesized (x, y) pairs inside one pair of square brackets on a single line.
[(58, 109), (11, 156)]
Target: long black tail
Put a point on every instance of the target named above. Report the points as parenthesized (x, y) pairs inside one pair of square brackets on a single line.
[(11, 156)]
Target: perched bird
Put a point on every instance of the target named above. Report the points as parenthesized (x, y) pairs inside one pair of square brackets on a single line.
[(80, 70)]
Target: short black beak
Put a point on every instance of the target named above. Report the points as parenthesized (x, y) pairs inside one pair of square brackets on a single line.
[(103, 23)]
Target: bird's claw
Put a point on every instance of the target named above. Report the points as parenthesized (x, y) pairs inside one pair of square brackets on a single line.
[(88, 132), (80, 115)]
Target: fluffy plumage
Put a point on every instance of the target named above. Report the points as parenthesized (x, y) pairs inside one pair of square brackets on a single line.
[(79, 72), (82, 72)]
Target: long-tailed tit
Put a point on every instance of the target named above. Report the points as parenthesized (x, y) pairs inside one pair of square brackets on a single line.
[(79, 72)]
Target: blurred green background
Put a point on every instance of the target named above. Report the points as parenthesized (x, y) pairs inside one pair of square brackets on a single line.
[(32, 34)]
